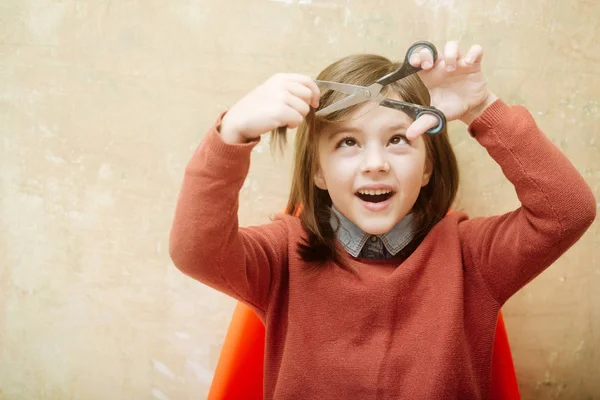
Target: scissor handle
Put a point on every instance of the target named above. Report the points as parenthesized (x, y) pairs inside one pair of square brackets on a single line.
[(414, 111), (441, 120), (406, 69)]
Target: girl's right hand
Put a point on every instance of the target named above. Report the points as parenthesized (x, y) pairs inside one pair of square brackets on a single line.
[(283, 100)]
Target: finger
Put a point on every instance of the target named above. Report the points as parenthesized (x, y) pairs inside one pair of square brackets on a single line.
[(297, 104), (421, 125), (300, 91), (309, 83), (292, 118), (415, 59), (451, 54), (474, 55), (426, 58)]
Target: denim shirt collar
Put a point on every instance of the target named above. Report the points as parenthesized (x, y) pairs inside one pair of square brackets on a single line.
[(353, 238)]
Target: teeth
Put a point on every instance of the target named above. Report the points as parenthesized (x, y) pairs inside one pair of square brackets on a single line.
[(375, 192)]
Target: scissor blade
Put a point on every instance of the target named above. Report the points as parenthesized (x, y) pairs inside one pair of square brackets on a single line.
[(340, 87), (344, 103)]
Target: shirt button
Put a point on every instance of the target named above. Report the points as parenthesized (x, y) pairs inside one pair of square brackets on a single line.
[(373, 238)]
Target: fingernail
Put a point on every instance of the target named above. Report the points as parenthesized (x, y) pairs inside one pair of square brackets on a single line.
[(450, 68), (427, 64)]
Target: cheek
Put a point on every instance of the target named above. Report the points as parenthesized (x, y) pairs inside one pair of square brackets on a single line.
[(339, 171), (409, 171), (339, 181)]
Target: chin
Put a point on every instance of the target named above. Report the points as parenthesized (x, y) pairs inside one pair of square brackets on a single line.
[(379, 224), (377, 229)]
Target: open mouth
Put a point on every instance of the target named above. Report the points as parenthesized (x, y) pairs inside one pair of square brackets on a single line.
[(374, 196)]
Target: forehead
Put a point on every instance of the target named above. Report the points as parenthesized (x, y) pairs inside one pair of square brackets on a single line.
[(371, 118)]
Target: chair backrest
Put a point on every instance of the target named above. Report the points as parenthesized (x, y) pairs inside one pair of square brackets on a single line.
[(239, 372)]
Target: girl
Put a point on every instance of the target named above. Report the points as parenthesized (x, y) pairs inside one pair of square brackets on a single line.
[(368, 289)]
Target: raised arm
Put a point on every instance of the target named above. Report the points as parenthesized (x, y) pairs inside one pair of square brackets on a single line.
[(206, 242), (557, 206)]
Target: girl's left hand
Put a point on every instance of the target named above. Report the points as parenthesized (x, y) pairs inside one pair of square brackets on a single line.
[(455, 83)]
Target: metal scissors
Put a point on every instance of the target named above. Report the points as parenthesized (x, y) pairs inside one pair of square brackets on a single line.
[(360, 94)]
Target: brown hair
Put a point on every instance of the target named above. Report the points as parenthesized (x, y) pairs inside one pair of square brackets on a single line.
[(313, 205)]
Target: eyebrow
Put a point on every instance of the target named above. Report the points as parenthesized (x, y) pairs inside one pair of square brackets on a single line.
[(342, 129), (351, 129), (397, 127)]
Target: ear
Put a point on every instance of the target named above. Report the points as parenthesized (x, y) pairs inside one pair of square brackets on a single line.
[(427, 172), (320, 180)]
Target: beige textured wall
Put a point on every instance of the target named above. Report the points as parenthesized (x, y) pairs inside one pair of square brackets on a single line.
[(101, 105)]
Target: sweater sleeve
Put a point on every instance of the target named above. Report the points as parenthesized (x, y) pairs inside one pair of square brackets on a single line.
[(206, 242), (557, 206)]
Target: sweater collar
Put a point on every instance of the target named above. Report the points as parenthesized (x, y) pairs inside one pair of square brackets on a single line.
[(353, 238)]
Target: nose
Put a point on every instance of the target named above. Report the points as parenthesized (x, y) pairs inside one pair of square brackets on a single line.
[(375, 160)]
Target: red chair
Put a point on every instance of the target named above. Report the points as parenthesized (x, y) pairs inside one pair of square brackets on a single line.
[(239, 373)]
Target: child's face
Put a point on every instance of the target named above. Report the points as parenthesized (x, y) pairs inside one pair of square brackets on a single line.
[(373, 174)]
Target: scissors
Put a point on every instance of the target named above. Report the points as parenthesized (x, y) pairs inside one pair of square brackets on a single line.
[(360, 94)]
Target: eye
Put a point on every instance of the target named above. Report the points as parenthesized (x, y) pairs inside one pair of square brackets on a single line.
[(346, 142), (399, 139)]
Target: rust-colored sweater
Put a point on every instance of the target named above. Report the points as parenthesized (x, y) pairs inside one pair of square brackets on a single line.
[(419, 330)]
